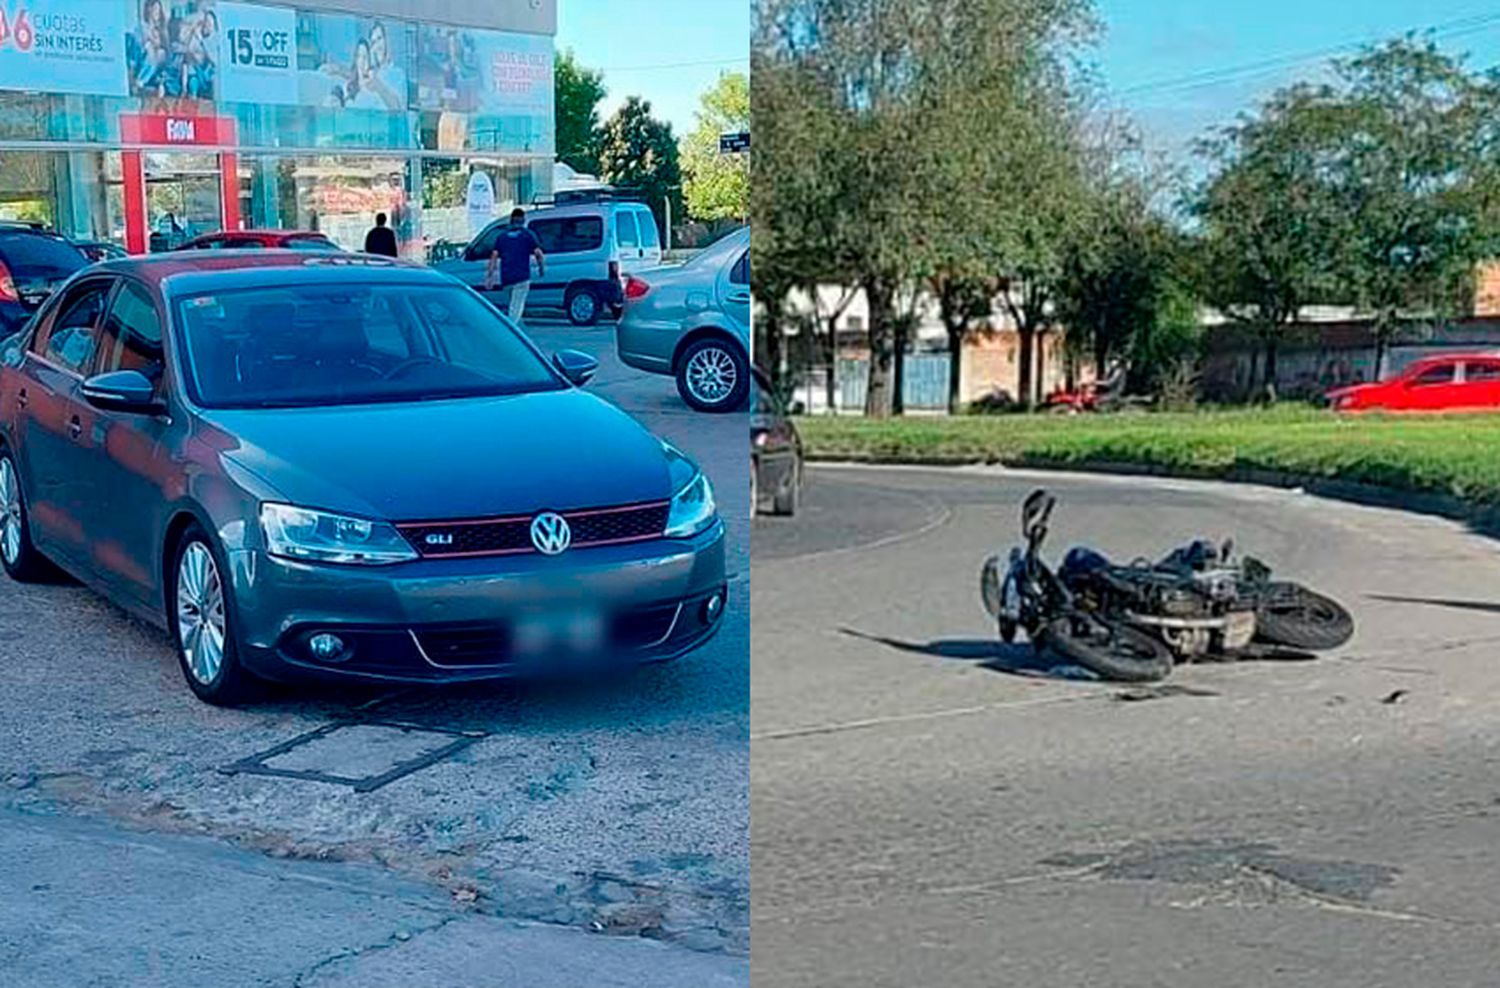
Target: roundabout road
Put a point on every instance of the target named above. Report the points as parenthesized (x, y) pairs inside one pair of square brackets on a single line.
[(931, 808)]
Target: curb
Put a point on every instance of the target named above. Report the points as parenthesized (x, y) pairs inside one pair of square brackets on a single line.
[(1483, 518)]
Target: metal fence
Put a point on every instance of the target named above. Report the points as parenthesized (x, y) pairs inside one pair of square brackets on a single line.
[(924, 386)]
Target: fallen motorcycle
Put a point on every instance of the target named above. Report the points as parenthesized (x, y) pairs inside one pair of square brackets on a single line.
[(1134, 622)]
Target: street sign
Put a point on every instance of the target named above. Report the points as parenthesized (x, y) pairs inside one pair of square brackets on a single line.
[(734, 143)]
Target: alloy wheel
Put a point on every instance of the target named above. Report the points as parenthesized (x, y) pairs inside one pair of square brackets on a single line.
[(200, 613), (10, 512), (583, 308), (711, 375)]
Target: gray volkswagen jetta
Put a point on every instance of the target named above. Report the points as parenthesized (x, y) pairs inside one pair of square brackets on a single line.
[(343, 466)]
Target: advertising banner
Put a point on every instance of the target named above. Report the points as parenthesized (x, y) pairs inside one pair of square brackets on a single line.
[(171, 48), (486, 72), (258, 61), (351, 62), (63, 46)]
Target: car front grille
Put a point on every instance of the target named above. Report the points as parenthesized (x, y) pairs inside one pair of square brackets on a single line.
[(512, 535)]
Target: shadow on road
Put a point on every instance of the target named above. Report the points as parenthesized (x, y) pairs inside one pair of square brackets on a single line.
[(993, 654)]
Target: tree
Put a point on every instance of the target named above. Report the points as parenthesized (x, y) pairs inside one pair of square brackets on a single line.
[(1270, 228), (637, 151), (1377, 189), (1408, 159), (925, 99), (717, 186), (578, 94)]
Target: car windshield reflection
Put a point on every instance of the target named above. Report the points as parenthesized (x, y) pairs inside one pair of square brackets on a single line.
[(313, 345)]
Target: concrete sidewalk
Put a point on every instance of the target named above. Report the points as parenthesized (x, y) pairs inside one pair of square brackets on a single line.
[(84, 903)]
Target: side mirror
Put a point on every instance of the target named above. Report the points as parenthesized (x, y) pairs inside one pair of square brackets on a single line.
[(575, 365), (122, 391)]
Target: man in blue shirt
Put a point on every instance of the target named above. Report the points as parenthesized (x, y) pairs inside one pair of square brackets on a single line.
[(514, 249)]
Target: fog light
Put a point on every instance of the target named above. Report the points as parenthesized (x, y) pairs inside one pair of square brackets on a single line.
[(326, 647), (712, 608)]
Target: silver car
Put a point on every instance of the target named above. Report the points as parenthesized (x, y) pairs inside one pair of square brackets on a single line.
[(692, 321)]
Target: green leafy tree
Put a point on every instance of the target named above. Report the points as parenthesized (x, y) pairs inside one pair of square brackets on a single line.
[(1269, 225), (579, 92), (1409, 164), (717, 186), (1378, 189), (923, 100), (637, 151)]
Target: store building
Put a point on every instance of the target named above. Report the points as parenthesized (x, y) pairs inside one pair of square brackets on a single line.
[(145, 122)]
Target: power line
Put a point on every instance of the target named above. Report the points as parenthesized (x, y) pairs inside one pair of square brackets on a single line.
[(1214, 77), (677, 65)]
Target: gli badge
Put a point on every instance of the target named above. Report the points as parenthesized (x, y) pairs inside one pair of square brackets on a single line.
[(550, 533)]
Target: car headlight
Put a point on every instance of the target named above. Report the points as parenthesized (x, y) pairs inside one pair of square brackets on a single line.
[(693, 509), (319, 537)]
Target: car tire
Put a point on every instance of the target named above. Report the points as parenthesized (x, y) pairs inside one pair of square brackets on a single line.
[(583, 306), (789, 496), (200, 607), (713, 376), (18, 555)]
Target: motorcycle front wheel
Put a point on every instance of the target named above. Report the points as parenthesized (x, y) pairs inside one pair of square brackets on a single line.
[(1293, 615), (1114, 651)]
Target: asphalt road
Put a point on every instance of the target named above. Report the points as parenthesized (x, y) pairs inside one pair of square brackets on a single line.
[(933, 809), (619, 807)]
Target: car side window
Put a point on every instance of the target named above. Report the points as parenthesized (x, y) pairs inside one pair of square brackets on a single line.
[(626, 234), (71, 339), (131, 338), (1439, 374), (1482, 371), (484, 244), (242, 243), (568, 235), (649, 237), (740, 275)]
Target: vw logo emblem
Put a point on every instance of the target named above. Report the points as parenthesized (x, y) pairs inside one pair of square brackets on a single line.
[(550, 533)]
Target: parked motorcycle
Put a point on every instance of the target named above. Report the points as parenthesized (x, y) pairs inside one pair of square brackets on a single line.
[(1134, 622)]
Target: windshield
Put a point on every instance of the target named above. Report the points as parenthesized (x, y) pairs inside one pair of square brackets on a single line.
[(311, 243), (718, 253), (312, 345)]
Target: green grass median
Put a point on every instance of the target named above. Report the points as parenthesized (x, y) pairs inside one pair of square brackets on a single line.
[(1452, 455)]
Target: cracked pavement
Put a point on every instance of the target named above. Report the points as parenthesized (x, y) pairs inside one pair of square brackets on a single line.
[(934, 809), (615, 807)]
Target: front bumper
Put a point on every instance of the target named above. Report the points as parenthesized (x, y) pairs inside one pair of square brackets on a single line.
[(458, 619)]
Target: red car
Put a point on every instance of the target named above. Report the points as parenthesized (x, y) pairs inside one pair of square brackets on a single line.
[(1453, 381), (253, 239)]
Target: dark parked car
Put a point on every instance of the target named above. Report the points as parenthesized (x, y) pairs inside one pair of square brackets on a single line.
[(261, 240), (775, 454), (339, 465), (33, 262)]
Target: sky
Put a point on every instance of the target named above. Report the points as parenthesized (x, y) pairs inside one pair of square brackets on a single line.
[(1181, 67), (668, 51)]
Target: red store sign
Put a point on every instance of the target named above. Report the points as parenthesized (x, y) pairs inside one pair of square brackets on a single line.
[(139, 130)]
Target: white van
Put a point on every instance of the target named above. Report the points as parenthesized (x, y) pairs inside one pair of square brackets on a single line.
[(591, 244)]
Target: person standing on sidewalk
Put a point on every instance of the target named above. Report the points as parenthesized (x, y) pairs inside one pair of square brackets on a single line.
[(381, 239), (514, 249)]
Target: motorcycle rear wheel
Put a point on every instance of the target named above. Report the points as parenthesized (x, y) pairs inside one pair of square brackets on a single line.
[(1114, 651), (1298, 617)]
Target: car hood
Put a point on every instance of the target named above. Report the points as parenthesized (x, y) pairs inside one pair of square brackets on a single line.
[(471, 458)]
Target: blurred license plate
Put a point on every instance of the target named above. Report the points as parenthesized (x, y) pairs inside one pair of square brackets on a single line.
[(568, 629)]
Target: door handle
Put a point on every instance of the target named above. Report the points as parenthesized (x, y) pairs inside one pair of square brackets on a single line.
[(75, 428), (740, 298), (21, 398)]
